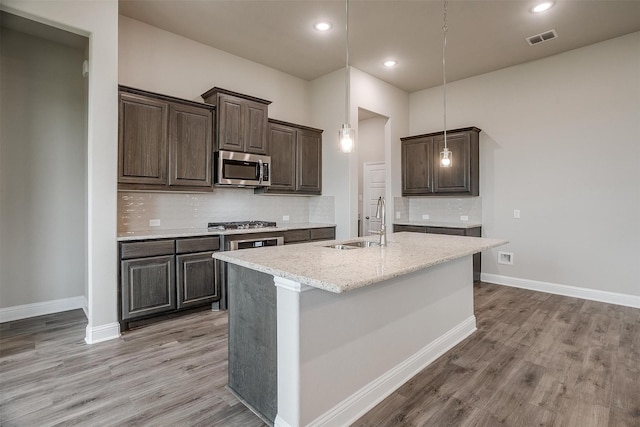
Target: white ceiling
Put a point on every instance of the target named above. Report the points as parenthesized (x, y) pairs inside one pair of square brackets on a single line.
[(483, 36)]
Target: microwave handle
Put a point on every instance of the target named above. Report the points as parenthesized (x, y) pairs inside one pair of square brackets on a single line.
[(261, 172)]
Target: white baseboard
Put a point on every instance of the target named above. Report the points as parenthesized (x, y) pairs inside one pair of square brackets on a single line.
[(17, 312), (565, 290), (102, 333), (362, 401)]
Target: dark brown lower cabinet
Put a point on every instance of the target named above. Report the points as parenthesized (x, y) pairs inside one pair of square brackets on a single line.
[(304, 235), (162, 276), (452, 231), (196, 284), (148, 286)]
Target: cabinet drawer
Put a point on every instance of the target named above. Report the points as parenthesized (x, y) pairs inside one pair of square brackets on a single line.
[(412, 228), (293, 236), (146, 249), (199, 244), (328, 233), (449, 231)]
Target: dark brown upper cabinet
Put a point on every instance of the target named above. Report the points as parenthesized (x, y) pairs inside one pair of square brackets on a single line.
[(142, 140), (191, 133), (241, 121), (164, 143), (422, 174), (296, 159)]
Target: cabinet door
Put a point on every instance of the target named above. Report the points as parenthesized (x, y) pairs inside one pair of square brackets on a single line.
[(142, 140), (190, 144), (309, 162), (457, 178), (197, 284), (397, 228), (282, 148), (417, 164), (229, 126), (147, 286), (255, 127)]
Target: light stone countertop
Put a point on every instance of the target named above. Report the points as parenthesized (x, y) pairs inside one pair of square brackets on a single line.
[(338, 271), (193, 232), (446, 224)]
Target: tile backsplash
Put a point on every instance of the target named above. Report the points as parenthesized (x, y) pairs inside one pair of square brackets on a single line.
[(444, 209), (195, 210)]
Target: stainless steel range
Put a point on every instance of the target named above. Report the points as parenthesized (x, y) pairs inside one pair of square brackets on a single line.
[(248, 236)]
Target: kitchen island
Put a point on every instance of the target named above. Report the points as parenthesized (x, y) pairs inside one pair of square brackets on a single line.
[(343, 328)]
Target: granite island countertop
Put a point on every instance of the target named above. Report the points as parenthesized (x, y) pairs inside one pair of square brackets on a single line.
[(193, 232), (314, 264)]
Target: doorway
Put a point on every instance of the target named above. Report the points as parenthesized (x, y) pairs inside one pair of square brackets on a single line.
[(374, 187), (43, 171), (371, 162)]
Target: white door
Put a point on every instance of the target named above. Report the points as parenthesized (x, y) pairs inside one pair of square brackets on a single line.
[(373, 183)]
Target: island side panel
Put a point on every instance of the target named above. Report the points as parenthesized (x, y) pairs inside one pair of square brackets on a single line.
[(357, 347), (252, 339)]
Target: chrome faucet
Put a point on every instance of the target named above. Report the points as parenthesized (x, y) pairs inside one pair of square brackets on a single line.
[(381, 213)]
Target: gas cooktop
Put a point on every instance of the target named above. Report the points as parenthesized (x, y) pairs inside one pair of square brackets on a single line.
[(239, 225)]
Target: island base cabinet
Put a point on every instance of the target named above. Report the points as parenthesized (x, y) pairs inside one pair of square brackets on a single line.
[(147, 286), (196, 280), (252, 340)]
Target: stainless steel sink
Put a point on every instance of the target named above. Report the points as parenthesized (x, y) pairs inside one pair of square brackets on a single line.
[(353, 245), (363, 244), (342, 247)]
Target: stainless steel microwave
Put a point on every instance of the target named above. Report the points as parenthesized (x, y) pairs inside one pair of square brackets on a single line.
[(242, 169)]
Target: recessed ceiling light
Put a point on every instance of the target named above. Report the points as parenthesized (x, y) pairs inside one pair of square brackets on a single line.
[(390, 63), (542, 7), (322, 26)]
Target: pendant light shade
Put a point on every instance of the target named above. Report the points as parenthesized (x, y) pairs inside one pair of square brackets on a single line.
[(446, 158), (346, 134)]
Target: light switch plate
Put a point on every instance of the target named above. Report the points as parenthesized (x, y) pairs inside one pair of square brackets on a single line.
[(425, 216), (154, 223), (285, 217), (516, 213), (464, 218), (398, 215)]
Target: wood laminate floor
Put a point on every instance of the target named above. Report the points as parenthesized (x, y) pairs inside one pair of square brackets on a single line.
[(536, 360)]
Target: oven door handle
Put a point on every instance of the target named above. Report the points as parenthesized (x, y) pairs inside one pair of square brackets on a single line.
[(261, 171), (233, 244)]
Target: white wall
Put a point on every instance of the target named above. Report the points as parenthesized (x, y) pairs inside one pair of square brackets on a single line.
[(42, 171), (340, 171), (159, 61), (98, 20), (560, 143), (374, 95)]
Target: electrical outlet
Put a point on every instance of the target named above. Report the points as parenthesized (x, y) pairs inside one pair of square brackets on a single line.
[(398, 215), (505, 258), (285, 217), (425, 216), (154, 223), (464, 218), (516, 213)]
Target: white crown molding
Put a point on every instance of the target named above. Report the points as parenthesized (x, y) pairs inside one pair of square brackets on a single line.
[(565, 290)]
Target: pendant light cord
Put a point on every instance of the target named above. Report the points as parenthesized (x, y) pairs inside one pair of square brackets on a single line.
[(346, 73), (444, 71)]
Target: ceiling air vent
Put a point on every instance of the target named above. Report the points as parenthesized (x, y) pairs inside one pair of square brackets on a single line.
[(542, 37)]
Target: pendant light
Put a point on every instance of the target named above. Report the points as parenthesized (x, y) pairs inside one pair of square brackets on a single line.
[(446, 159), (346, 134)]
